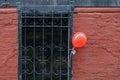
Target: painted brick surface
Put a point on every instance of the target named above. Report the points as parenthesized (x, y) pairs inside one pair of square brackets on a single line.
[(8, 44), (100, 58)]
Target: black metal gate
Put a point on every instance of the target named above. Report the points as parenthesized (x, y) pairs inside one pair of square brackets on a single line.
[(45, 42)]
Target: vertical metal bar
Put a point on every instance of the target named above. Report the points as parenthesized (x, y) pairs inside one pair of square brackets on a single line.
[(68, 51), (25, 45), (71, 21), (43, 47), (52, 48), (34, 52), (61, 46), (20, 45), (70, 18)]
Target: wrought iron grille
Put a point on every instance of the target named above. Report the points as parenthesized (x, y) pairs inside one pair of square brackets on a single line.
[(44, 44)]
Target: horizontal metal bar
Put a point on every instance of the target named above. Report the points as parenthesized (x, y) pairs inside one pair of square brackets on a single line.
[(37, 17), (45, 26)]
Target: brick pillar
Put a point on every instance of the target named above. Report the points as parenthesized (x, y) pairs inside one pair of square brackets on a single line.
[(8, 43)]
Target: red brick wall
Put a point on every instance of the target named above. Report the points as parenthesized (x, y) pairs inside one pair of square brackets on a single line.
[(100, 58), (8, 44)]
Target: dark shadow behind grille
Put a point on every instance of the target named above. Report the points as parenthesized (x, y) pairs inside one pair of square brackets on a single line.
[(44, 52)]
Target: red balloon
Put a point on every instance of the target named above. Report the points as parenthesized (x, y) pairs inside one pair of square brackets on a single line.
[(79, 39)]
